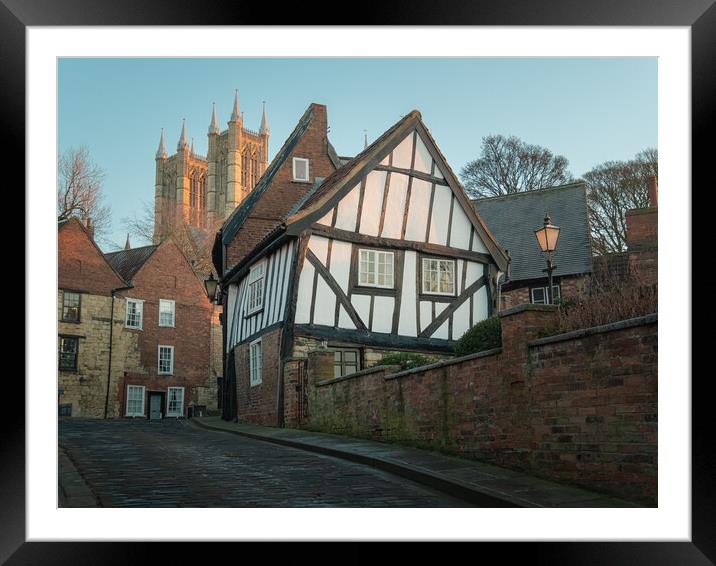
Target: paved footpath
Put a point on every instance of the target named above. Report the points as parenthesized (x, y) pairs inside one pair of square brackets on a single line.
[(482, 484), (171, 463)]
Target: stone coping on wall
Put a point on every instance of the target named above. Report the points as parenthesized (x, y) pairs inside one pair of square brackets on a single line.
[(361, 373), (581, 333), (527, 307), (444, 363)]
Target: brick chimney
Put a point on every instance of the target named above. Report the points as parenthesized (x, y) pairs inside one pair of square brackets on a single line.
[(643, 237)]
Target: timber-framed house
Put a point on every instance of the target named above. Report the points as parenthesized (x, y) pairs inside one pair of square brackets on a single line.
[(386, 253)]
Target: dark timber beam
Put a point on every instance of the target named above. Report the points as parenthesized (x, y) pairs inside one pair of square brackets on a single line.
[(456, 304), (378, 339)]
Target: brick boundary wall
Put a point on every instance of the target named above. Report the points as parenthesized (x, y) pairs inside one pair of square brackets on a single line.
[(579, 408)]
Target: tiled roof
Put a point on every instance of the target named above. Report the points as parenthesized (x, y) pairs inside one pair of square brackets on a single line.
[(512, 220), (241, 212), (128, 262)]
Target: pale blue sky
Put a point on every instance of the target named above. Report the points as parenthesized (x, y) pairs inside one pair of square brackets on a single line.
[(589, 110)]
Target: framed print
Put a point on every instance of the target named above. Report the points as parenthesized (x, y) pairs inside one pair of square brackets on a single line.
[(286, 290)]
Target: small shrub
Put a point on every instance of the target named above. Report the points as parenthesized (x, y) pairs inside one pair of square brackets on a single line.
[(485, 335), (406, 360)]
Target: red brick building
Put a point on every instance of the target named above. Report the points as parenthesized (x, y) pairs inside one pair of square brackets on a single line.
[(168, 310)]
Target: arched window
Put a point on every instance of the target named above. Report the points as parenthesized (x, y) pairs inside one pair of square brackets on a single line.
[(245, 168), (202, 192), (193, 190), (254, 169)]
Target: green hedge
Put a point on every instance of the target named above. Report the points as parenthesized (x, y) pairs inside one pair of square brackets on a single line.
[(485, 335), (406, 360)]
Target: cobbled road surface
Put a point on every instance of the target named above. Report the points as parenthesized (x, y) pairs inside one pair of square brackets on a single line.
[(170, 463)]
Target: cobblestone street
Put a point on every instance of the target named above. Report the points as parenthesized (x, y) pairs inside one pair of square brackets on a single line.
[(170, 463)]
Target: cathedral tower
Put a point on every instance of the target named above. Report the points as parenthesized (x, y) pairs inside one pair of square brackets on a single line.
[(203, 190)]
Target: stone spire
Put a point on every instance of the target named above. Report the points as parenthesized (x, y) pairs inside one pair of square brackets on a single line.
[(191, 151), (127, 245), (264, 121), (161, 151), (214, 126), (235, 113), (365, 139), (182, 137)]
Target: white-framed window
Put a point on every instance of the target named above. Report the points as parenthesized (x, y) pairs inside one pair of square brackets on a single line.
[(135, 401), (300, 169), (133, 318), (256, 287), (346, 361), (165, 360), (175, 402), (438, 276), (375, 268), (538, 295), (255, 362), (166, 312)]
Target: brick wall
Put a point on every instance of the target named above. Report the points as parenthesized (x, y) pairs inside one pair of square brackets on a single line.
[(570, 288), (168, 275), (578, 408), (642, 244), (284, 192), (259, 403)]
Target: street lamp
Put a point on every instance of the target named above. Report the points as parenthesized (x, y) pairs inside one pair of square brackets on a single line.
[(547, 238), (211, 284)]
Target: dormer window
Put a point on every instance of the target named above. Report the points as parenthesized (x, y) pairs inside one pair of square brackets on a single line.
[(300, 169)]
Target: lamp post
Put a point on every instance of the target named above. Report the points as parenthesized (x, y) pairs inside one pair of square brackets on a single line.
[(211, 285), (547, 237)]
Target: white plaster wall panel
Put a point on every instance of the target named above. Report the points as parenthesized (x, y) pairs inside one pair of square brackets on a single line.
[(344, 321), (477, 244), (406, 325), (326, 220), (232, 314), (361, 304), (474, 272), (386, 160), (439, 308), (441, 215), (325, 309), (461, 320), (423, 159), (283, 288), (461, 228), (341, 263), (270, 279), (460, 266), (348, 210), (372, 203), (418, 212), (403, 154), (305, 290), (426, 314), (437, 173), (442, 331), (319, 246), (383, 314), (395, 206), (479, 305)]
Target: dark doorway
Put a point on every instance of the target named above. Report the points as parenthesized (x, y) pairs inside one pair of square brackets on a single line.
[(156, 405)]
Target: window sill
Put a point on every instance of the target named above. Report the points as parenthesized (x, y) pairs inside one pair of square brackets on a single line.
[(301, 182), (67, 321), (166, 326)]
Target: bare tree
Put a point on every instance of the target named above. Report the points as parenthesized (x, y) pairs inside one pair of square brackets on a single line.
[(613, 188), (508, 165), (79, 190), (195, 243)]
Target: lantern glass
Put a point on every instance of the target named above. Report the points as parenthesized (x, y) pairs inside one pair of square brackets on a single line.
[(547, 237), (211, 284)]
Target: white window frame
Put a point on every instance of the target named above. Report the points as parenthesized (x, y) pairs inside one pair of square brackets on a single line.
[(159, 360), (255, 369), (140, 305), (126, 405), (555, 287), (174, 315), (257, 280), (308, 172), (343, 363), (179, 413), (423, 280), (377, 254)]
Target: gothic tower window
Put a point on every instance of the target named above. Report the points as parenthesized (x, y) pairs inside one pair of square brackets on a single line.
[(245, 168), (193, 190), (254, 169), (202, 192)]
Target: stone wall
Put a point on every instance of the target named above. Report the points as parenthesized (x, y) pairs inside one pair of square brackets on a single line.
[(579, 408), (86, 388)]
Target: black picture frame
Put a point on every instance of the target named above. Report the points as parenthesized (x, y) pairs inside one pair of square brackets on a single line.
[(699, 15)]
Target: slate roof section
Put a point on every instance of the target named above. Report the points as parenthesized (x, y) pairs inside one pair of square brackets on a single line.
[(128, 262), (241, 212), (512, 220)]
